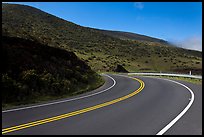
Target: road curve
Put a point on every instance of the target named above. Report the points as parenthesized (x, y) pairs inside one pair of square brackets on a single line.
[(134, 109)]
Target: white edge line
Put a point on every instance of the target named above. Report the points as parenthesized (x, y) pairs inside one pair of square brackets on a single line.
[(63, 101), (161, 132), (182, 113), (168, 126)]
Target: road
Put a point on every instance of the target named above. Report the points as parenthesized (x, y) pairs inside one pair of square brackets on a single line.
[(122, 106)]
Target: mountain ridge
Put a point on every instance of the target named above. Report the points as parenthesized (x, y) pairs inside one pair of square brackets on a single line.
[(102, 52), (113, 33), (132, 36)]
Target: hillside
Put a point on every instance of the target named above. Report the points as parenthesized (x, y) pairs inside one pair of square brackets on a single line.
[(132, 36), (34, 72), (102, 52)]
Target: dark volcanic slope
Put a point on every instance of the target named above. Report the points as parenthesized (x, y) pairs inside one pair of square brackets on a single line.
[(32, 70)]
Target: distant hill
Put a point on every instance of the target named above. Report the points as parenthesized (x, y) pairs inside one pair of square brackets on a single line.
[(132, 36), (102, 50), (34, 72)]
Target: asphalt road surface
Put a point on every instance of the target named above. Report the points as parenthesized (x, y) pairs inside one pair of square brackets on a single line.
[(122, 106)]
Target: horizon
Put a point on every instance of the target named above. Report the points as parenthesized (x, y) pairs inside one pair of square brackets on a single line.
[(151, 18)]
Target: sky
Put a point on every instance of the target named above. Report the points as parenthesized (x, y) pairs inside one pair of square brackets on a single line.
[(176, 22)]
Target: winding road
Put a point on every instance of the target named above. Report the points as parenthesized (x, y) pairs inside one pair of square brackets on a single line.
[(122, 106)]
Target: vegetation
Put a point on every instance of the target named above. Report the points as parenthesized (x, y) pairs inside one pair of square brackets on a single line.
[(102, 50), (132, 36), (190, 80), (40, 61), (34, 72), (186, 79)]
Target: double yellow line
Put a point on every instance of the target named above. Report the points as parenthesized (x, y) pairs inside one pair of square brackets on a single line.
[(74, 113)]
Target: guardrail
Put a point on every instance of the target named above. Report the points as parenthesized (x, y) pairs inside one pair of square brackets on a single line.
[(168, 74)]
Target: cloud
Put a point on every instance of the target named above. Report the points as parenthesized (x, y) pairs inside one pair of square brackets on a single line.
[(139, 5), (194, 43)]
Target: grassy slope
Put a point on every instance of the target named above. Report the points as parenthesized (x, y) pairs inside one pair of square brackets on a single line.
[(33, 72), (102, 52), (132, 36), (190, 80)]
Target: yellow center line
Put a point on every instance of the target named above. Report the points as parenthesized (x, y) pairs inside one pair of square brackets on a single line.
[(74, 113)]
